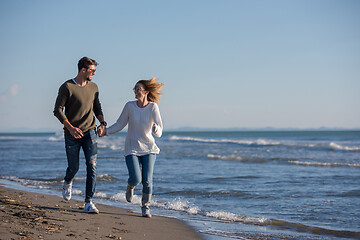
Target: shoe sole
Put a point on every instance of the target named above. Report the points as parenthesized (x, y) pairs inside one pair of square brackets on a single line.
[(66, 199)]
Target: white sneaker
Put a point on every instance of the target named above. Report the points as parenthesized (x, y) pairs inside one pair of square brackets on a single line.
[(67, 190), (90, 208)]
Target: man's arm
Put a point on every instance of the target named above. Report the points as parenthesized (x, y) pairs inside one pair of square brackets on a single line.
[(60, 103), (59, 113)]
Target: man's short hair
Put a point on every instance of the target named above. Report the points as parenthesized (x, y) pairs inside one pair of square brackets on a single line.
[(85, 62)]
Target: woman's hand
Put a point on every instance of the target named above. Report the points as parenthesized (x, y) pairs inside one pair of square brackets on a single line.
[(101, 130)]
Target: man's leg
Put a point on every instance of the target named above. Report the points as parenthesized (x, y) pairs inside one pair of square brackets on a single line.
[(90, 152), (72, 147)]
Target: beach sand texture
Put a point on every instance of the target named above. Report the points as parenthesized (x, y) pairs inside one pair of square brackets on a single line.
[(27, 215)]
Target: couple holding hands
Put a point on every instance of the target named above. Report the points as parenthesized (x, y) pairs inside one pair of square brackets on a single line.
[(80, 98)]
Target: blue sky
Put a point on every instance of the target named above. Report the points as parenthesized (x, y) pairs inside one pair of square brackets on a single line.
[(242, 63)]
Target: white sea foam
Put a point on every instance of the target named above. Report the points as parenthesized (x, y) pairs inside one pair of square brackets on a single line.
[(101, 195), (101, 177), (336, 146), (54, 139), (225, 157), (265, 142), (17, 138), (225, 234), (325, 164), (179, 205), (175, 205), (76, 192), (243, 142), (79, 178), (114, 148), (226, 216), (58, 137), (105, 177), (120, 197), (113, 143), (235, 157), (182, 205), (28, 182), (117, 196)]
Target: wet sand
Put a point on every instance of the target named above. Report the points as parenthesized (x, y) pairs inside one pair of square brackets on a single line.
[(27, 215)]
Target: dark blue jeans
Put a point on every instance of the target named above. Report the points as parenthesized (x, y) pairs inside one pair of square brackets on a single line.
[(89, 145)]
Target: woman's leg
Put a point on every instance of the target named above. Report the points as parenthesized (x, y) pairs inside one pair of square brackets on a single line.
[(133, 166), (148, 163)]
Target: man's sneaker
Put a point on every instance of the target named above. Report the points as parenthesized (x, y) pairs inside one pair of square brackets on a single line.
[(90, 208), (67, 190)]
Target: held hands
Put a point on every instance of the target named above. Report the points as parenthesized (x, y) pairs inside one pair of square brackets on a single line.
[(101, 130)]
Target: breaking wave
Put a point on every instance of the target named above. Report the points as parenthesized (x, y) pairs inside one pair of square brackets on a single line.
[(260, 142), (331, 146), (235, 158), (114, 143), (336, 146), (43, 183), (296, 162), (185, 206), (325, 164)]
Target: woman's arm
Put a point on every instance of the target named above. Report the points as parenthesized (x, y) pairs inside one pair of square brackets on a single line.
[(120, 123), (158, 126)]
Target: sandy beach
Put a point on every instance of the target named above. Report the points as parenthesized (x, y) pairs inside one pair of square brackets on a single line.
[(27, 215)]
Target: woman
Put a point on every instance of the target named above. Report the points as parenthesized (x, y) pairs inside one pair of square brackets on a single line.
[(143, 119)]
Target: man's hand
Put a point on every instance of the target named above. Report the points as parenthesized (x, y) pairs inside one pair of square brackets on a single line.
[(101, 130), (76, 132)]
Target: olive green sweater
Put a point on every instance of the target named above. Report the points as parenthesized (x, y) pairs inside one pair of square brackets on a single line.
[(81, 103)]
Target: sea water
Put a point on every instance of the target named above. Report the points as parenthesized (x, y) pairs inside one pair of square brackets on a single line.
[(227, 185)]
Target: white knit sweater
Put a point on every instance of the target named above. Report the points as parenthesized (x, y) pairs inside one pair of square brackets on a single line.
[(139, 140)]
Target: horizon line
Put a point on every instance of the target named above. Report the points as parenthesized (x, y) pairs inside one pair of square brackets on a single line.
[(185, 129)]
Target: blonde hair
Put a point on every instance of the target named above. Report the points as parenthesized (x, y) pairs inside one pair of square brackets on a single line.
[(154, 89)]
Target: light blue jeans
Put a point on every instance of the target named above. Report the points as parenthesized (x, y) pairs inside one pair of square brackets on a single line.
[(141, 169), (89, 145)]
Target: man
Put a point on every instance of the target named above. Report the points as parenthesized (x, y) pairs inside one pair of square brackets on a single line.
[(80, 97)]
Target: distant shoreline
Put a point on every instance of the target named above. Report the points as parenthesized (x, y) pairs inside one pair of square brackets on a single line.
[(269, 129)]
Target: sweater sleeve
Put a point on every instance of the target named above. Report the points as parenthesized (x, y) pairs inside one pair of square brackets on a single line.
[(60, 102), (97, 106), (120, 123), (157, 120)]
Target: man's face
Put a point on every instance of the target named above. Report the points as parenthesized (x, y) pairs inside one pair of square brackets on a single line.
[(89, 72)]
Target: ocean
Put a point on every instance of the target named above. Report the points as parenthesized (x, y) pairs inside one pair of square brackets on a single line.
[(227, 185)]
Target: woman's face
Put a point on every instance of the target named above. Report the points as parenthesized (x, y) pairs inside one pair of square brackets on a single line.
[(139, 91)]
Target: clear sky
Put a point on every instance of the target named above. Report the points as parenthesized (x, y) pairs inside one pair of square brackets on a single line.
[(225, 63)]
